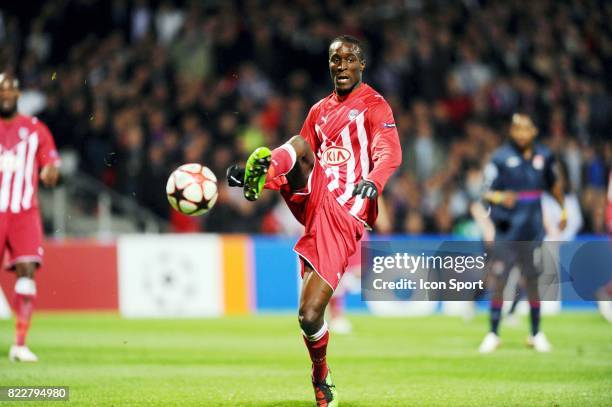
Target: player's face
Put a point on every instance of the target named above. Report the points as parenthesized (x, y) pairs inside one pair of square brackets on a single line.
[(9, 93), (345, 66), (522, 131)]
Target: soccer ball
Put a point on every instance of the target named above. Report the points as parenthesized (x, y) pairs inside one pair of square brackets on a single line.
[(192, 189)]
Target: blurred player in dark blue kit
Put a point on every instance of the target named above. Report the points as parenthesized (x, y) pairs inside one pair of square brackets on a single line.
[(517, 175)]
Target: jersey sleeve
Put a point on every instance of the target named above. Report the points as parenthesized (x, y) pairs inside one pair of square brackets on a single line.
[(47, 152), (385, 148)]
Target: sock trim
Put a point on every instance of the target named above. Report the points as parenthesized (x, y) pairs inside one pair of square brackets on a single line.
[(289, 148), (318, 335), (25, 286), (24, 259)]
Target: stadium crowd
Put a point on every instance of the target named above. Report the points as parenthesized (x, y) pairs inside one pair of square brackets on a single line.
[(138, 87)]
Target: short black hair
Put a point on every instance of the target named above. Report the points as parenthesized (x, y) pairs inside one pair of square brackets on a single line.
[(524, 113), (8, 76), (351, 40)]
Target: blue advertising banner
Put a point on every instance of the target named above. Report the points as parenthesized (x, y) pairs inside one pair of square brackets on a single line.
[(276, 274)]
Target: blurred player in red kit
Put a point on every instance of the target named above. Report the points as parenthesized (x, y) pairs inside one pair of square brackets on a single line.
[(27, 151), (330, 177), (609, 206), (604, 294)]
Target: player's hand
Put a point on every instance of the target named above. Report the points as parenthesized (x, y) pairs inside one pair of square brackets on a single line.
[(509, 199), (563, 222), (366, 189), (49, 175), (235, 176)]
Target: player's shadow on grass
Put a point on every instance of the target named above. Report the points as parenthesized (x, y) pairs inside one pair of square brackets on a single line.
[(296, 403), (299, 403)]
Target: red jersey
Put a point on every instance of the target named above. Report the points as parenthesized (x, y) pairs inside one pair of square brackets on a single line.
[(609, 207), (352, 137), (26, 145)]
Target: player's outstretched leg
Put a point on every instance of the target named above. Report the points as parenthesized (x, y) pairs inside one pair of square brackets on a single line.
[(265, 165), (25, 292), (255, 172), (314, 299)]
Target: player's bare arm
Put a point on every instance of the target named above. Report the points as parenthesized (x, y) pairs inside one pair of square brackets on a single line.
[(504, 198), (384, 223), (482, 219), (49, 175)]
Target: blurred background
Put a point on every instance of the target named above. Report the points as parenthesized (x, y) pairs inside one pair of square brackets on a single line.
[(132, 89)]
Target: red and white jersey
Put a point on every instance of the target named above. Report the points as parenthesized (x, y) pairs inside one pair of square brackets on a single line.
[(26, 145), (353, 137), (609, 206)]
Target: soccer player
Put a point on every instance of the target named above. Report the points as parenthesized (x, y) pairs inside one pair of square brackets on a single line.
[(26, 146), (604, 294), (516, 176), (330, 177)]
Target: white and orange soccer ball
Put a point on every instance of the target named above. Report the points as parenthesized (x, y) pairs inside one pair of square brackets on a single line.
[(192, 189)]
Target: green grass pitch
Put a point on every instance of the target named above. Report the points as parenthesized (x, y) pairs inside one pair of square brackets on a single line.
[(261, 361)]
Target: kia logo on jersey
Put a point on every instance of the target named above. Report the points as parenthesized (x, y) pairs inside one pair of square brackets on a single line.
[(335, 156)]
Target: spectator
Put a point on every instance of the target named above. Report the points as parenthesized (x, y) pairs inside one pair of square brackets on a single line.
[(143, 86)]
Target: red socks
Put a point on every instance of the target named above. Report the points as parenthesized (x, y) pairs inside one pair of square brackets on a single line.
[(317, 348), (336, 306), (25, 292), (283, 160)]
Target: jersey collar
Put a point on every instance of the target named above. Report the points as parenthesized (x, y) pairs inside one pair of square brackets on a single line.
[(354, 93), (8, 123)]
